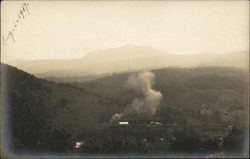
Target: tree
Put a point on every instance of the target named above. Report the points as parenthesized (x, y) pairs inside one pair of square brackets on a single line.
[(185, 140), (234, 142), (60, 141)]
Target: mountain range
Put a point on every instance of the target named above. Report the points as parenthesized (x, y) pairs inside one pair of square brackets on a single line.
[(125, 59)]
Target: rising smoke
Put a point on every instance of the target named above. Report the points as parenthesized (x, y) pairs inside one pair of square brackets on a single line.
[(148, 103)]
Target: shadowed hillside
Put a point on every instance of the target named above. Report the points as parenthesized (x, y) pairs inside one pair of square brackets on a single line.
[(41, 111)]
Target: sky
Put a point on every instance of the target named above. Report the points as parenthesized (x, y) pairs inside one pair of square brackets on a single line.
[(71, 29)]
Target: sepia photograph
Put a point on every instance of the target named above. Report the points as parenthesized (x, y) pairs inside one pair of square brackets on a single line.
[(124, 79)]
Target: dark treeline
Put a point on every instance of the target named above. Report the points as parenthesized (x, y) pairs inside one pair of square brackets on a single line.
[(30, 112)]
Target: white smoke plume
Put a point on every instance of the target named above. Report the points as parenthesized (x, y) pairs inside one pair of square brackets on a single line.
[(148, 102)]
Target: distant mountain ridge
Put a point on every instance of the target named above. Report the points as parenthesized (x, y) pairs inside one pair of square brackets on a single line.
[(124, 59)]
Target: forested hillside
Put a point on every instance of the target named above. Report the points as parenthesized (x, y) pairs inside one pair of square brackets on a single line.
[(48, 116), (41, 112), (217, 90)]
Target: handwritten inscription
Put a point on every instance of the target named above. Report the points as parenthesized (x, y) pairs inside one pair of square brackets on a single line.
[(21, 15)]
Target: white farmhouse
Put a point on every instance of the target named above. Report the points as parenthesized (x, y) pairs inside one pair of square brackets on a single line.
[(123, 123)]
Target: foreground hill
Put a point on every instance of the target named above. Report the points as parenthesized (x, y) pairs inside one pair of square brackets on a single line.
[(39, 109), (124, 59)]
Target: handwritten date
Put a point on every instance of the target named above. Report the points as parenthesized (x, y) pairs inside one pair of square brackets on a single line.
[(23, 12)]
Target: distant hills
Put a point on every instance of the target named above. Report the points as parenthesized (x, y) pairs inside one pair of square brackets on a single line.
[(125, 59)]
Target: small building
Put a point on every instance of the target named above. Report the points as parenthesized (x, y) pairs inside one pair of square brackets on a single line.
[(160, 139), (79, 144), (123, 123), (155, 123)]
